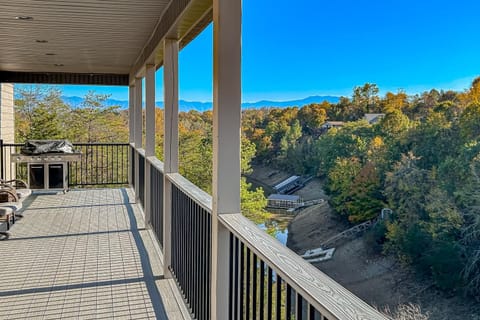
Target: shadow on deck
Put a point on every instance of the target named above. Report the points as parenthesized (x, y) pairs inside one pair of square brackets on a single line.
[(85, 254)]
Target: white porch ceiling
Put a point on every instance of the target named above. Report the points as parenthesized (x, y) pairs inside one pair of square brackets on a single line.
[(84, 36)]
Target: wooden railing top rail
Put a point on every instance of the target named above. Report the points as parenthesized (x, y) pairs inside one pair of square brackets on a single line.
[(201, 197), (100, 143), (157, 164), (327, 296), (141, 151)]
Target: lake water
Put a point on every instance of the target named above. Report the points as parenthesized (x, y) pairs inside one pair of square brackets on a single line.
[(277, 226)]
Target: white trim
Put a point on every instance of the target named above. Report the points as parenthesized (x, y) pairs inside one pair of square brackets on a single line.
[(170, 145), (227, 22)]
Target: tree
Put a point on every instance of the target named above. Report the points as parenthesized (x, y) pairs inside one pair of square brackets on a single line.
[(350, 141), (364, 201), (394, 102), (311, 117), (45, 124), (470, 122), (340, 181), (38, 114), (94, 121), (426, 225), (394, 125), (365, 99), (472, 96)]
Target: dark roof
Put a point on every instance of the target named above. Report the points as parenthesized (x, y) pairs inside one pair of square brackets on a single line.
[(287, 197)]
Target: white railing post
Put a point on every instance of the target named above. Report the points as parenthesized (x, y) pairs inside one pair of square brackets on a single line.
[(138, 132), (131, 128), (226, 142), (170, 145), (149, 137)]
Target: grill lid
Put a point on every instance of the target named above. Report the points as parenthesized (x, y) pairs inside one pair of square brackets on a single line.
[(32, 147)]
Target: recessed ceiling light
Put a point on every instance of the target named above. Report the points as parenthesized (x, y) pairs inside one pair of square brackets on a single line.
[(58, 64), (41, 41), (24, 18), (50, 54)]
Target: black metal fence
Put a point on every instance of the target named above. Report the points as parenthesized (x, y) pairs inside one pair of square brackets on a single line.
[(132, 165), (156, 202), (101, 164), (258, 292), (141, 179), (7, 168), (191, 252)]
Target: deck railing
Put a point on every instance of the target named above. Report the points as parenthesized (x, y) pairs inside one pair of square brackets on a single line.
[(101, 164), (156, 200), (267, 280), (131, 159), (191, 244), (141, 178)]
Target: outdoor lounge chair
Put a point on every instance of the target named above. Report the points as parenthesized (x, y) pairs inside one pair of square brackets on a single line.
[(21, 187), (7, 217), (9, 205), (9, 199)]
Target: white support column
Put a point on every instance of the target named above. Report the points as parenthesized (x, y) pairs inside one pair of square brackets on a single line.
[(131, 128), (138, 114), (170, 145), (150, 111), (149, 136), (131, 115), (138, 132), (227, 22)]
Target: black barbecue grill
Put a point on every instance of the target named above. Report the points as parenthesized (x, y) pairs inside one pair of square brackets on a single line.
[(47, 162)]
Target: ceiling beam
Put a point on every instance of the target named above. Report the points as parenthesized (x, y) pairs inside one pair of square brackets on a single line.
[(64, 78)]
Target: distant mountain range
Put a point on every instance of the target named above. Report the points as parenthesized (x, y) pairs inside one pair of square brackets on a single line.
[(202, 106), (184, 105)]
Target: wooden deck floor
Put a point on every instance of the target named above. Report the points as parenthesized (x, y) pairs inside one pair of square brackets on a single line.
[(84, 255)]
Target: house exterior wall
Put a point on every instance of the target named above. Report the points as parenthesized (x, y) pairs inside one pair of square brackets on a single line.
[(7, 122)]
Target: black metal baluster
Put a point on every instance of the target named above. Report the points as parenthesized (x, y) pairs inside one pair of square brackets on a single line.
[(237, 286), (269, 293), (298, 307), (311, 312), (205, 264), (262, 290), (209, 248), (242, 280), (231, 276), (288, 305), (254, 287), (247, 287), (278, 298)]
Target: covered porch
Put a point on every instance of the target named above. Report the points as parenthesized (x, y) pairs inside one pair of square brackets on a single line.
[(164, 246)]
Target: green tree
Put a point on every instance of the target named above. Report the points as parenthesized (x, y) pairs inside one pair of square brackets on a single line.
[(365, 100), (340, 181), (40, 114), (94, 121), (426, 225), (45, 124), (311, 117), (365, 199)]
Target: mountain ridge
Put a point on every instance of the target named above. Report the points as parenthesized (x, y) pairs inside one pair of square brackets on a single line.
[(185, 105)]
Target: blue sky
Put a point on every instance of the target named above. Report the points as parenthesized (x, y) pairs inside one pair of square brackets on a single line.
[(294, 49)]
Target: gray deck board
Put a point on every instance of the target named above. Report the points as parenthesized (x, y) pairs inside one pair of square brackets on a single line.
[(84, 255)]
